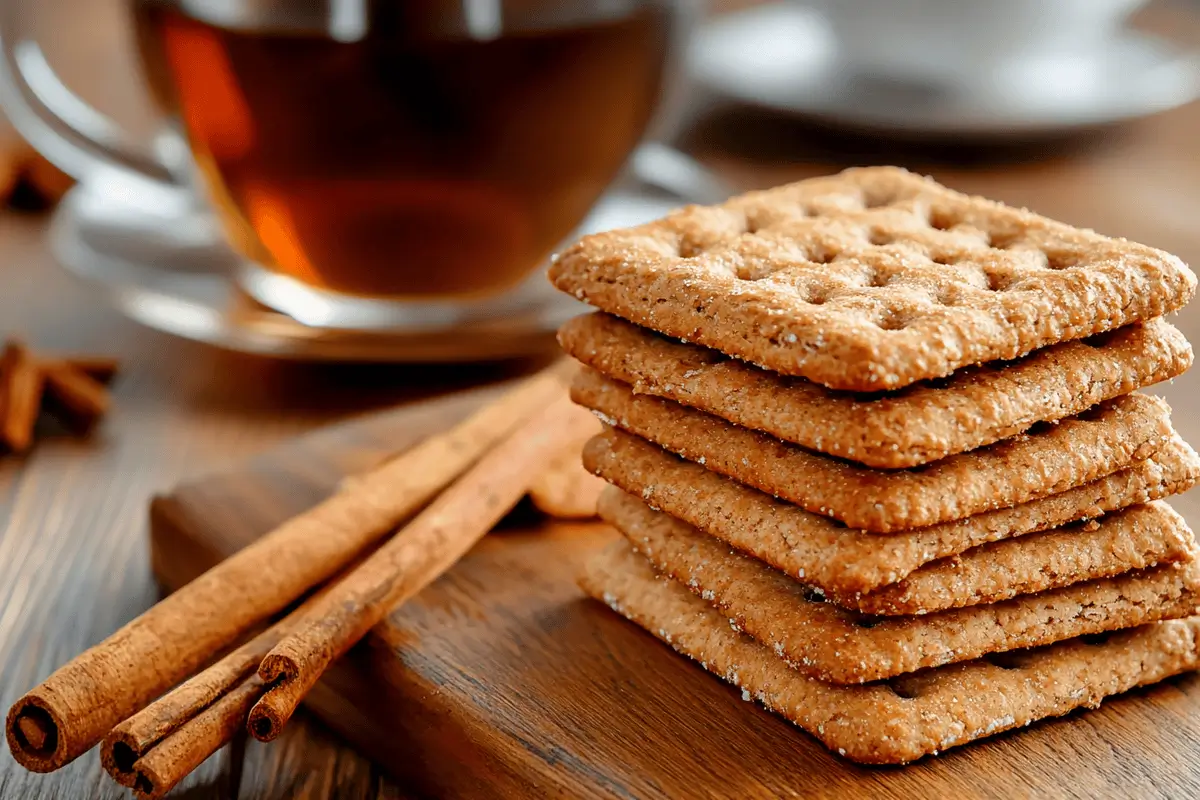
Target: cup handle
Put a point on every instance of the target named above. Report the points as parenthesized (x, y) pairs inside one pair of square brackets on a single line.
[(71, 134)]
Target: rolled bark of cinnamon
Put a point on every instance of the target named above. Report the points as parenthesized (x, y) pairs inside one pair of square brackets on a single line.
[(177, 710), (173, 759), (83, 700), (20, 396), (100, 368), (424, 549)]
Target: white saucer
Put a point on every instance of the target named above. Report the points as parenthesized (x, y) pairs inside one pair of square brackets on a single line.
[(168, 268), (782, 56)]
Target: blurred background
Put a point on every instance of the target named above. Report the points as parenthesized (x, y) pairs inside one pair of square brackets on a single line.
[(363, 180)]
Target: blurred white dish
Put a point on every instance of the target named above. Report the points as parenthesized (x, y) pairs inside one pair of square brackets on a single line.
[(963, 42), (784, 56)]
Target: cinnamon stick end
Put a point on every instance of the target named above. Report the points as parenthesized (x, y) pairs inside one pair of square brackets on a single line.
[(118, 755), (265, 722), (273, 710), (33, 736), (149, 786)]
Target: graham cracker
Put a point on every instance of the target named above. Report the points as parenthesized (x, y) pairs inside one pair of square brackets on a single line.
[(844, 562), (824, 641), (871, 279), (1133, 538), (564, 489), (1048, 459), (910, 716), (975, 406)]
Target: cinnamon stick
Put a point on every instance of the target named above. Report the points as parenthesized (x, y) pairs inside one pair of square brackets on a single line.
[(128, 742), (418, 554), (74, 395), (100, 368), (157, 772), (22, 396), (83, 700)]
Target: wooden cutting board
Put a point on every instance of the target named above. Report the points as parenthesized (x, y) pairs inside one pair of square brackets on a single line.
[(503, 680)]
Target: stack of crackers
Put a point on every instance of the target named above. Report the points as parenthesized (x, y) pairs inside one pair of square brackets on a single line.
[(880, 460)]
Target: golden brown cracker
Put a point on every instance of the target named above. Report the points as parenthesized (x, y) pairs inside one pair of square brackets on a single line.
[(870, 279), (974, 407), (910, 716)]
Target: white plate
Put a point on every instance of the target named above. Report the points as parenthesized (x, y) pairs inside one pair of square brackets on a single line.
[(783, 56)]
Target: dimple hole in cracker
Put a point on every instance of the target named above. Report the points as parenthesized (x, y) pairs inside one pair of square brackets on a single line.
[(997, 281), (880, 238), (814, 296), (891, 321), (1004, 240), (879, 199), (1062, 259), (821, 255), (943, 219), (948, 296), (877, 279)]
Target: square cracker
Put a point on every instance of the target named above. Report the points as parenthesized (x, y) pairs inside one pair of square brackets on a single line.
[(824, 641), (1048, 459), (974, 407), (910, 716), (871, 279), (1134, 538), (843, 562)]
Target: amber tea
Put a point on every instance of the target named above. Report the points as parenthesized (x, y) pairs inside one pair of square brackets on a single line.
[(416, 160)]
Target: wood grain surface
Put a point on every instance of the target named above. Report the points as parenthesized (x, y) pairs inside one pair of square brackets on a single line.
[(74, 556), (502, 680)]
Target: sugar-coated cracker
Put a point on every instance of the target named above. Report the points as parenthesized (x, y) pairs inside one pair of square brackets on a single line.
[(927, 421), (1048, 459), (870, 279), (844, 562), (909, 716), (1132, 538), (824, 641)]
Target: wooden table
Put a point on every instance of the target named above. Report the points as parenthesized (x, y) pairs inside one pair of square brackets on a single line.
[(73, 561)]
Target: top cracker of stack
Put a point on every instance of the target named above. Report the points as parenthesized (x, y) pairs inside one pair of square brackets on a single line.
[(930, 337)]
